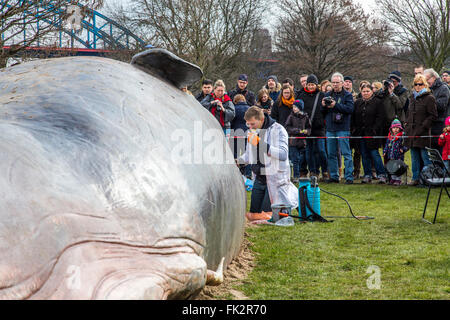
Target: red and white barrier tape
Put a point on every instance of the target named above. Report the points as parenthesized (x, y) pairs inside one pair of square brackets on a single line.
[(350, 137)]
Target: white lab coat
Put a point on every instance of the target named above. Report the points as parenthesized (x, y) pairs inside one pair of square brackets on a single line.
[(277, 168)]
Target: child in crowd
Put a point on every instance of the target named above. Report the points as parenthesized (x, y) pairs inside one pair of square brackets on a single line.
[(444, 142), (394, 148), (297, 125)]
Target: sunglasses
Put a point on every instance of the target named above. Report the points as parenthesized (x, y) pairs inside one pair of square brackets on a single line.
[(418, 84)]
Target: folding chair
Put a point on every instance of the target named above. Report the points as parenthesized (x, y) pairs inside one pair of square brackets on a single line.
[(435, 181)]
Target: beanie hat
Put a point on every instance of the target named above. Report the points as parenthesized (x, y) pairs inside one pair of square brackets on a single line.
[(396, 124), (312, 79), (396, 75), (243, 77), (447, 121), (274, 78), (299, 104), (348, 78)]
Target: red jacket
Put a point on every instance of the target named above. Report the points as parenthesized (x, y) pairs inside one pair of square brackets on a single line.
[(445, 143)]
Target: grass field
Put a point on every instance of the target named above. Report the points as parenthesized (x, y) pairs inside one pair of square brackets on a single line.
[(343, 259)]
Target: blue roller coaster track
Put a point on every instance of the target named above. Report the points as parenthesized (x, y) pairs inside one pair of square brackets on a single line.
[(98, 31)]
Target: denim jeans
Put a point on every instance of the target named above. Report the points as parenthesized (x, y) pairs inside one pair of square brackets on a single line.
[(297, 157), (333, 154), (316, 155), (418, 154), (260, 200), (367, 156)]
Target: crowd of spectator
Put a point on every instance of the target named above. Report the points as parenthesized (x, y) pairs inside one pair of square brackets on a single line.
[(324, 120)]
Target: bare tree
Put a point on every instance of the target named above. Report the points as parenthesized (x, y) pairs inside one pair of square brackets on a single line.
[(323, 36), (421, 26), (213, 34), (24, 22)]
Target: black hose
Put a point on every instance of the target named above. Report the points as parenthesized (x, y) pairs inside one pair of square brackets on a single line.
[(349, 207)]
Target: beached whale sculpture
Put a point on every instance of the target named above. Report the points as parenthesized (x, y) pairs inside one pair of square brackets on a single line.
[(93, 204)]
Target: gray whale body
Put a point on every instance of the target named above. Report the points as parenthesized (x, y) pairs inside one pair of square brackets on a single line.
[(92, 205)]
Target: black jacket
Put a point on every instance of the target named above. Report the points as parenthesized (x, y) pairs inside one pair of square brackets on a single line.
[(249, 96), (280, 112), (318, 122), (294, 124), (368, 120)]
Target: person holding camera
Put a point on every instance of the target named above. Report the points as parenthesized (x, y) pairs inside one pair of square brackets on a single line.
[(220, 105), (393, 108), (338, 108)]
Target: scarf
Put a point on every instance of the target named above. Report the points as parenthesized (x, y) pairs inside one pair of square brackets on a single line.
[(289, 103), (225, 98), (392, 137), (421, 92), (306, 90)]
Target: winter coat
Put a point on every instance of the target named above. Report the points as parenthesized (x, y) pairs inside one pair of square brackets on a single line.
[(441, 93), (318, 122), (393, 146), (239, 122), (403, 95), (200, 97), (224, 117), (249, 95), (445, 144), (393, 108), (276, 162), (280, 112), (266, 106), (273, 93), (295, 123), (344, 106), (368, 120), (421, 114)]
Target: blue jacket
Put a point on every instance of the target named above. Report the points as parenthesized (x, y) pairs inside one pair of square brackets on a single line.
[(239, 122), (344, 107)]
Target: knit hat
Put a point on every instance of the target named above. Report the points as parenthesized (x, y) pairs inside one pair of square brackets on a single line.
[(243, 77), (348, 78), (274, 78), (299, 104), (396, 124), (447, 121), (312, 79), (396, 75)]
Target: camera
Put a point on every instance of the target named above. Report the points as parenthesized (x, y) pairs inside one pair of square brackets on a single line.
[(387, 84), (328, 101)]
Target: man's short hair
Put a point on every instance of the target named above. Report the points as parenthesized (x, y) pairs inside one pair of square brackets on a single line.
[(254, 112), (238, 98), (207, 82), (288, 80), (431, 72), (338, 74)]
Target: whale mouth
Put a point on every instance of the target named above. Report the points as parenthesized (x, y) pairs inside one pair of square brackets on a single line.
[(173, 269)]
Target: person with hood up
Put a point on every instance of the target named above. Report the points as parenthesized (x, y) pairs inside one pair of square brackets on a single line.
[(268, 153), (273, 86)]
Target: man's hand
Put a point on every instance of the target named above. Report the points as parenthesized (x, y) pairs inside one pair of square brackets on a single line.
[(441, 137)]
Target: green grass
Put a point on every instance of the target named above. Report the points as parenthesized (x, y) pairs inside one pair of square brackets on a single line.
[(330, 260)]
